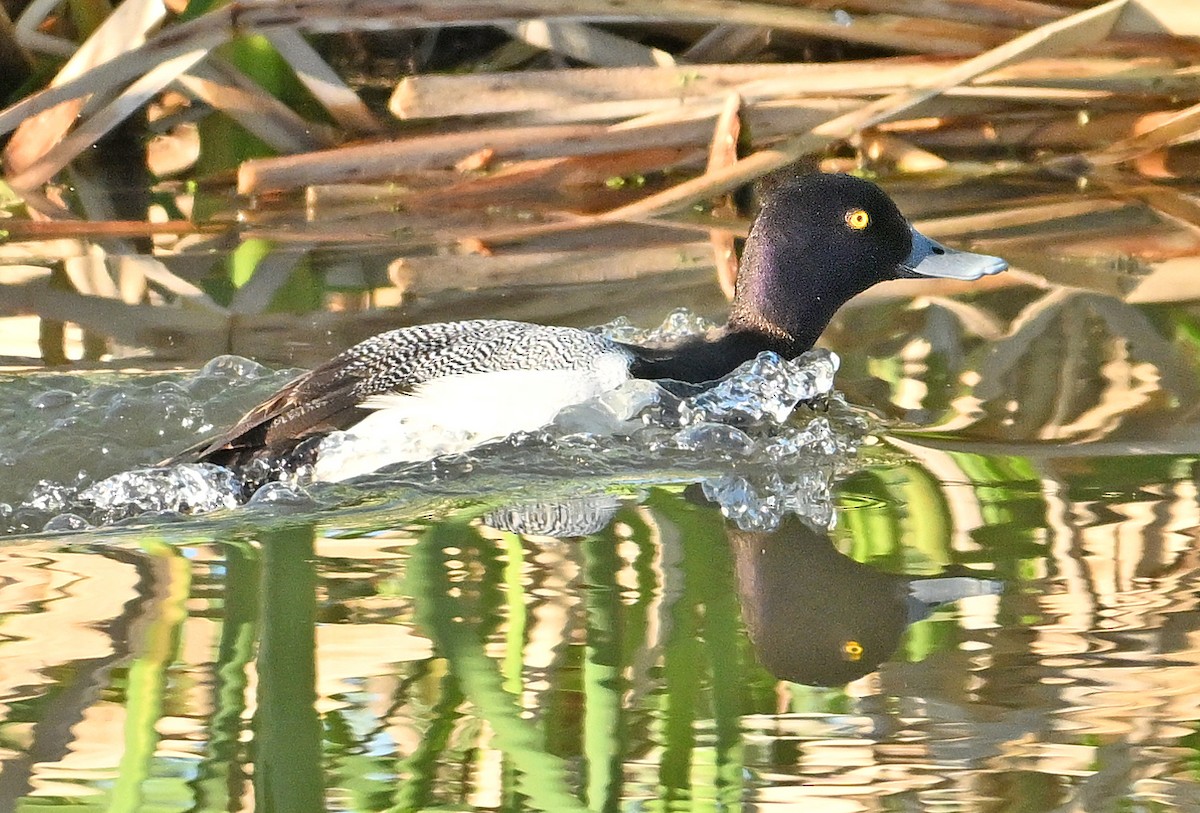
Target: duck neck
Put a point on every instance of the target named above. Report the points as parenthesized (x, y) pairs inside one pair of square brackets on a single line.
[(781, 297)]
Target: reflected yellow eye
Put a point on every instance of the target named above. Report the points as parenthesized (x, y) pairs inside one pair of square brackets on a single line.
[(852, 650), (858, 219)]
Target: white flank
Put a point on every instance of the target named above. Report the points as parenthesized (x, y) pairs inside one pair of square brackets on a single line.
[(456, 413)]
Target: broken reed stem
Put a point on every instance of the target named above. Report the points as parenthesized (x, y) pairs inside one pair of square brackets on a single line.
[(1054, 38)]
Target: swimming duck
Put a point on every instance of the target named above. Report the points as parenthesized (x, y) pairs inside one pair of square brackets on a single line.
[(817, 240)]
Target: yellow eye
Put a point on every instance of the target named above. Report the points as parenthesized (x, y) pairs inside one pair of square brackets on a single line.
[(852, 650), (858, 219)]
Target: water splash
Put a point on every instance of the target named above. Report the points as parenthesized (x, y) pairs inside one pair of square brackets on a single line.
[(759, 501), (678, 325), (187, 488), (772, 460), (765, 388), (65, 433)]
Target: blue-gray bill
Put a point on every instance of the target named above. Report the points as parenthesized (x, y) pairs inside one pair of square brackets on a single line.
[(930, 258)]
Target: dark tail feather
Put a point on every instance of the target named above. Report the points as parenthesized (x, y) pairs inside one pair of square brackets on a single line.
[(255, 466)]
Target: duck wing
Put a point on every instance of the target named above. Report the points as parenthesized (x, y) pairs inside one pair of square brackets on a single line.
[(317, 402)]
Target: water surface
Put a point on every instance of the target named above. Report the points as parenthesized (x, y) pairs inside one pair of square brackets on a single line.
[(561, 624)]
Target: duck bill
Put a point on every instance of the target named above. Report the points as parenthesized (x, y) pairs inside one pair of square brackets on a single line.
[(930, 258)]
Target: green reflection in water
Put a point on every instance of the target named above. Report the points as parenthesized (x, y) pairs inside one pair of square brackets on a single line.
[(288, 775), (136, 786), (449, 620), (702, 644), (420, 769), (908, 519), (603, 725), (221, 776)]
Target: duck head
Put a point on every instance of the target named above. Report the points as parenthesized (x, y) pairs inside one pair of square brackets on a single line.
[(820, 239)]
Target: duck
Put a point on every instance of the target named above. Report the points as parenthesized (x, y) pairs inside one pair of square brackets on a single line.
[(817, 240)]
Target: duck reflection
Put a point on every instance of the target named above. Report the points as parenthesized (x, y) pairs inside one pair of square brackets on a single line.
[(814, 615), (562, 518), (818, 617)]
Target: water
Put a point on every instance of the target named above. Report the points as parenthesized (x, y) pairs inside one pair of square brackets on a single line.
[(966, 580)]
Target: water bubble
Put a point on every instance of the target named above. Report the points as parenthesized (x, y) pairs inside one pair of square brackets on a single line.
[(186, 488), (631, 398), (742, 503), (27, 519), (233, 367), (620, 330), (817, 437), (759, 501), (66, 522), (611, 412), (164, 387), (280, 495), (52, 399), (103, 394), (719, 438), (678, 325), (118, 406), (49, 496)]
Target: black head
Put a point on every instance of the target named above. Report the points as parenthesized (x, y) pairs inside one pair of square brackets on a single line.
[(820, 239)]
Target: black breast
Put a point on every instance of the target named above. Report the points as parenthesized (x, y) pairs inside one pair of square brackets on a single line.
[(705, 359)]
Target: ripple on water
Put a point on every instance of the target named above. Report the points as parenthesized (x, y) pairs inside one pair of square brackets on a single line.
[(83, 448), (65, 433)]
